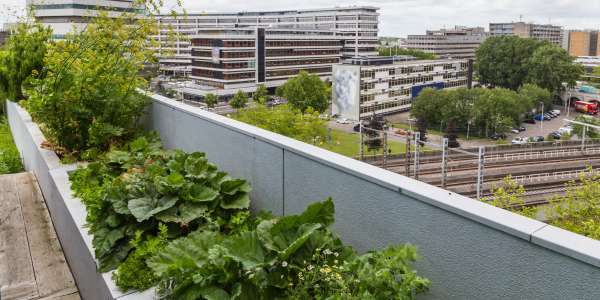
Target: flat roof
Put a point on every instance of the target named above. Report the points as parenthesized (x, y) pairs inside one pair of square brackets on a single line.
[(275, 11)]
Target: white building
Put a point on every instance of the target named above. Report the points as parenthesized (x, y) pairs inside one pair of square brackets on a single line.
[(383, 86), (63, 15)]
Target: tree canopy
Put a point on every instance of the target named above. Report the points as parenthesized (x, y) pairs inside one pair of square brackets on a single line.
[(307, 91), (511, 61), (211, 100), (500, 107), (23, 56), (239, 100), (261, 92), (390, 51)]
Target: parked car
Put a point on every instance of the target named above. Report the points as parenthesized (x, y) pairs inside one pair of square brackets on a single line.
[(270, 99), (539, 118), (271, 104), (556, 134), (566, 129), (342, 121), (552, 114), (521, 128), (520, 140), (514, 130), (277, 102), (325, 116), (357, 127), (538, 139), (529, 121), (549, 115), (557, 112), (497, 136), (402, 132)]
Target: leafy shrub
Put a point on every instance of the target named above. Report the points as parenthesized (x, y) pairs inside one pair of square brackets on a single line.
[(136, 188), (293, 257), (579, 212), (509, 197), (87, 96)]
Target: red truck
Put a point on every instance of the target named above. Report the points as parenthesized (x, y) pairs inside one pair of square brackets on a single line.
[(586, 107)]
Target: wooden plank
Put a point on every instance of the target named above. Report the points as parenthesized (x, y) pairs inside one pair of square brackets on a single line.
[(52, 272), (17, 279), (73, 296), (68, 294)]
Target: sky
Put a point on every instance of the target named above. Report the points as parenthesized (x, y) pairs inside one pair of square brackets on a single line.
[(399, 18)]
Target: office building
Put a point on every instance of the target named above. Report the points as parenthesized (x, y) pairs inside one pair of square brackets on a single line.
[(4, 35), (459, 41), (73, 13), (382, 85), (225, 60), (552, 33), (582, 42), (357, 26)]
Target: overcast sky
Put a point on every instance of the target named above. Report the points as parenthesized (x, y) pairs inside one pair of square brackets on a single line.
[(400, 18)]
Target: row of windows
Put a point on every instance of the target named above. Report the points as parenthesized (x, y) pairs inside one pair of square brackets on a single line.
[(292, 52), (396, 81), (239, 65), (90, 7), (301, 43), (359, 34), (202, 53), (238, 43), (267, 20), (202, 42), (237, 54), (370, 26), (350, 42), (297, 33), (302, 62), (413, 69), (271, 73), (400, 92), (201, 63), (203, 73), (388, 104), (209, 83), (233, 76), (455, 83)]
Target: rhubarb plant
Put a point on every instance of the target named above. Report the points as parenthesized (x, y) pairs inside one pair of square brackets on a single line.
[(137, 187)]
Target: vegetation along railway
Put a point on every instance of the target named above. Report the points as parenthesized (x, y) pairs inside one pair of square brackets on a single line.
[(542, 169)]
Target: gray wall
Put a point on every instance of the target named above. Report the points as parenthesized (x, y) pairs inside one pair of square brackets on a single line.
[(470, 250)]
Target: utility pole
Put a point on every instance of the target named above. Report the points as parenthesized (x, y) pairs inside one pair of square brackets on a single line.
[(407, 156), (417, 138), (444, 162), (360, 155), (384, 156)]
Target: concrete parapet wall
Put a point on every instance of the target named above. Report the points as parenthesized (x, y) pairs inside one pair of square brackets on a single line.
[(67, 213), (470, 250)]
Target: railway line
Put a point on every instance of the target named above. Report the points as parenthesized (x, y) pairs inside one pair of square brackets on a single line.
[(543, 172)]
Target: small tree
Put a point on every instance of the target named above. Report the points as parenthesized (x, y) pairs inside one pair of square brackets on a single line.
[(550, 138), (261, 92), (239, 101), (307, 91), (500, 141), (509, 197), (371, 132), (173, 94), (422, 127), (211, 100), (565, 136), (451, 134), (280, 91), (315, 129)]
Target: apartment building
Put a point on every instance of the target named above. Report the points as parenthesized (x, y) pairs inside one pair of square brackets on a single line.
[(460, 41), (225, 60), (381, 85), (582, 42), (357, 26), (69, 14), (552, 33)]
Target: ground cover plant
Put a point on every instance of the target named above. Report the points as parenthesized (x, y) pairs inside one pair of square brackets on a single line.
[(10, 160), (139, 196)]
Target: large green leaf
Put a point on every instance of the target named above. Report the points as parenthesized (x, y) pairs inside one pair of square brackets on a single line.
[(190, 211), (247, 249), (319, 212), (117, 156), (194, 247), (153, 139), (220, 177), (119, 200), (113, 258), (167, 215), (154, 170), (233, 186), (263, 229), (318, 239), (249, 292), (105, 238), (288, 241), (144, 208), (214, 293), (175, 180), (138, 145), (240, 200), (187, 290), (200, 193)]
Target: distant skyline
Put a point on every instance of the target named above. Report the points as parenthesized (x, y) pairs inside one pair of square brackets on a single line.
[(400, 18)]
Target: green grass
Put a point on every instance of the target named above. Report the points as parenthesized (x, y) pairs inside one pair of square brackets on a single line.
[(349, 145), (10, 160)]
